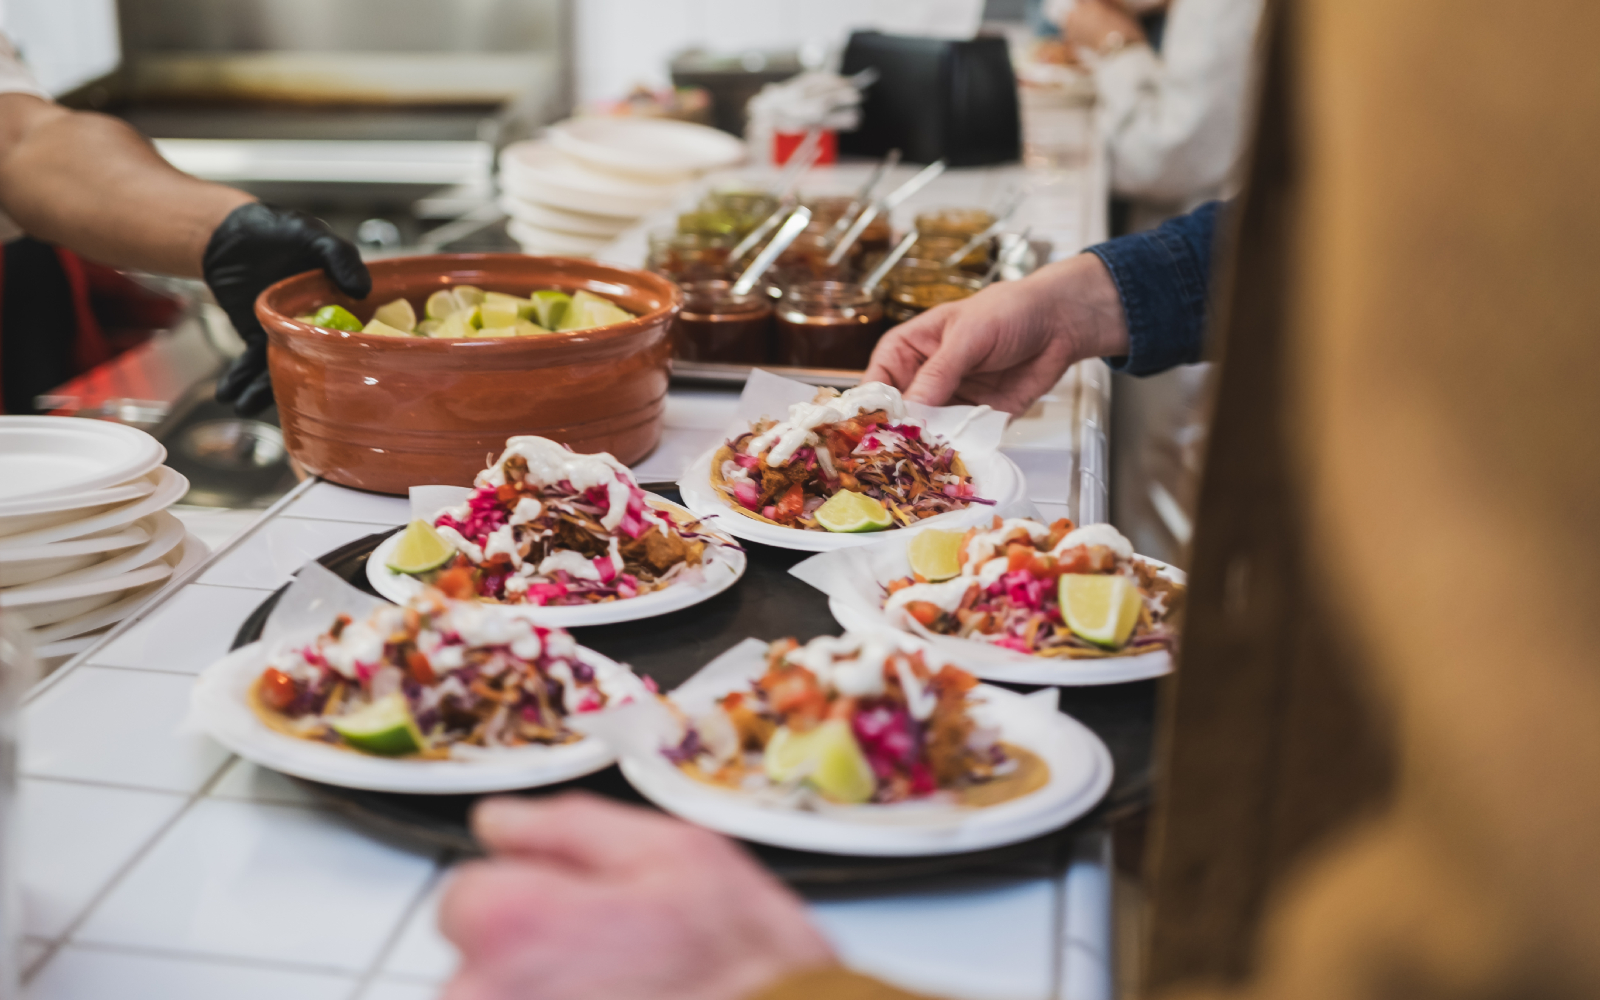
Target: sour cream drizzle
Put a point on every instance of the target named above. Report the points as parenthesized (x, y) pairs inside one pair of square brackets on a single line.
[(549, 463), (787, 436)]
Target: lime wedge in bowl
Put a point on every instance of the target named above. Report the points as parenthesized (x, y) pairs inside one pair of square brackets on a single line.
[(853, 512), (828, 757), (384, 727), (550, 307), (420, 549), (1102, 609)]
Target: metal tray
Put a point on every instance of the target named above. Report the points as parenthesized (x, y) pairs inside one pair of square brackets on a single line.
[(767, 603), (717, 373)]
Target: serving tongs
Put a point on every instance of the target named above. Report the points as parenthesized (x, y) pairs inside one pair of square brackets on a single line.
[(887, 264), (887, 203), (792, 228), (863, 197), (994, 230), (802, 159)]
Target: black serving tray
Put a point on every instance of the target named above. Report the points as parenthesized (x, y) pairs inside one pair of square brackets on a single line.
[(766, 603)]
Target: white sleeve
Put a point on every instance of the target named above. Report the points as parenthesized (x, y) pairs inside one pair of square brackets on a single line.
[(15, 76), (1174, 124)]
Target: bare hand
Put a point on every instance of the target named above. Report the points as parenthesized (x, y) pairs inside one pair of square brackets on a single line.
[(586, 898), (1092, 23), (1007, 345)]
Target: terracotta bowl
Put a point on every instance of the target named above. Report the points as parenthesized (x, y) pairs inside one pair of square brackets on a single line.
[(386, 414)]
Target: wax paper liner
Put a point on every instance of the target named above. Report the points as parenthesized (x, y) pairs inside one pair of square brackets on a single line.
[(1080, 773), (854, 580)]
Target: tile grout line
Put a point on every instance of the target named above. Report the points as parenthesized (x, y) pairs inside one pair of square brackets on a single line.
[(92, 783), (441, 865), (142, 670), (200, 957), (111, 883), (172, 587)]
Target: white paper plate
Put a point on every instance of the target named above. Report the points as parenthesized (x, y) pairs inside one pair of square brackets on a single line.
[(647, 146), (536, 240), (1080, 773), (577, 223), (165, 534), (723, 568), (995, 476), (219, 704), (184, 558), (58, 456), (170, 488), (540, 173), (41, 562), (854, 582)]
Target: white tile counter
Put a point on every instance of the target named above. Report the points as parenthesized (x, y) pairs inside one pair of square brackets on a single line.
[(156, 866)]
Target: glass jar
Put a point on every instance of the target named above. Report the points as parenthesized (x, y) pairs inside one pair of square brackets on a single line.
[(688, 256), (827, 324), (806, 259), (915, 286), (962, 223), (939, 248), (716, 325)]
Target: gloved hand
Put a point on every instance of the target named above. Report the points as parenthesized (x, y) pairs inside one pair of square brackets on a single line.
[(255, 246)]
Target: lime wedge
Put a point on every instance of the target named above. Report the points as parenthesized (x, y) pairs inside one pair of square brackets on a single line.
[(829, 758), (378, 328), (501, 310), (442, 304), (526, 329), (384, 727), (455, 326), (847, 511), (470, 295), (427, 328), (933, 554), (1102, 609), (589, 310), (420, 549), (550, 307), (397, 314), (335, 318)]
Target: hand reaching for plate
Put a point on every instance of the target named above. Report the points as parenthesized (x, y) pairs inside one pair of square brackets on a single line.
[(1008, 344), (584, 898)]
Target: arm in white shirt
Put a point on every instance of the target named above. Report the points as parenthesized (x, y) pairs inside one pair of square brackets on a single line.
[(1173, 124)]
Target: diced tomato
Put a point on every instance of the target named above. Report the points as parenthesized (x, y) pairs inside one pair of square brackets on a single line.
[(924, 612), (797, 697), (277, 689), (792, 504), (900, 584), (1045, 567), (421, 670), (998, 521), (971, 596), (1059, 530), (1018, 556), (919, 578), (456, 583), (507, 494), (852, 430)]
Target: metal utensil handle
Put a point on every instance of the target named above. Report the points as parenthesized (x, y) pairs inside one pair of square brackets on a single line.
[(853, 233), (915, 184), (803, 158), (759, 233), (885, 204), (990, 233), (1004, 257), (864, 196), (883, 269), (785, 236)]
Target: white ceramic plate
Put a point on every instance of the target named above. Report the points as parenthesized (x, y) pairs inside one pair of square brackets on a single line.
[(58, 456), (577, 223), (651, 147), (535, 240), (1080, 773), (190, 554), (723, 567), (854, 584), (170, 488), (540, 173), (219, 703), (995, 476), (26, 515)]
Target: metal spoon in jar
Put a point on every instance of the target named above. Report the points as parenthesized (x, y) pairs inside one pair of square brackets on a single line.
[(759, 233), (882, 270), (780, 242), (1006, 255), (885, 204), (862, 198), (994, 230)]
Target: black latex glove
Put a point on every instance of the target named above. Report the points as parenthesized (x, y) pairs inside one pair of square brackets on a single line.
[(255, 246)]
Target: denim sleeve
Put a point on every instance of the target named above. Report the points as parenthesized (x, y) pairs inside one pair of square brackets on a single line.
[(1162, 277)]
